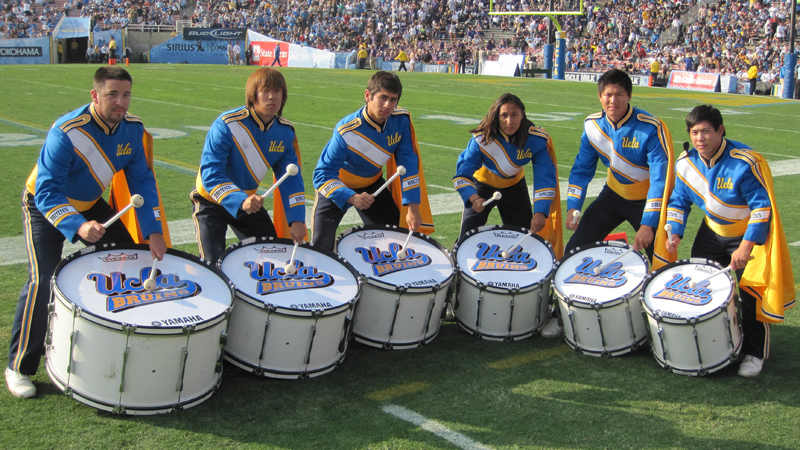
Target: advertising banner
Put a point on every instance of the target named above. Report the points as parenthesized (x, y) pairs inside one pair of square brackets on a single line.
[(25, 51), (72, 27), (214, 34), (273, 53), (592, 77), (694, 81), (177, 50)]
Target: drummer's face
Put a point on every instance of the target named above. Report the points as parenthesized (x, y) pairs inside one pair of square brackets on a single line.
[(510, 118)]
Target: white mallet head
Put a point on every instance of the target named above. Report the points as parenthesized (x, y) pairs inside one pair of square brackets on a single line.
[(505, 254), (292, 169), (401, 170), (497, 196), (137, 201), (692, 284), (290, 269), (149, 284), (402, 254)]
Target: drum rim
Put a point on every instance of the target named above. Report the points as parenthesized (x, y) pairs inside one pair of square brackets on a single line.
[(497, 289), (103, 321), (395, 287), (614, 301), (685, 320), (307, 245)]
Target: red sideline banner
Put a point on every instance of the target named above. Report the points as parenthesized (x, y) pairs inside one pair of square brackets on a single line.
[(264, 54), (694, 81)]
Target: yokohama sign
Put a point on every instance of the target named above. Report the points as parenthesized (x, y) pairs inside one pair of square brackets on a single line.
[(17, 52)]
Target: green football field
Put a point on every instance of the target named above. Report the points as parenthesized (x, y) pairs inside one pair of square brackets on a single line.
[(458, 391)]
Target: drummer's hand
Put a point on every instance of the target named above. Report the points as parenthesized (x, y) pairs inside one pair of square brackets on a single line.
[(672, 246), (361, 201), (413, 218), (538, 222), (570, 218), (477, 203), (740, 257), (298, 231), (252, 204), (157, 245), (643, 237), (91, 231)]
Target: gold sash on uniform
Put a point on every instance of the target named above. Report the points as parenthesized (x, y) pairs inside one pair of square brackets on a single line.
[(397, 190)]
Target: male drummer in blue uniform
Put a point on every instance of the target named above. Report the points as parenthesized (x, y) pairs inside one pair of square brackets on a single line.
[(240, 147), (732, 184), (637, 149), (350, 167), (63, 200)]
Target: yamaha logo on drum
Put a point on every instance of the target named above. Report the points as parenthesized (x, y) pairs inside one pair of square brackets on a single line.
[(273, 249), (117, 258), (612, 276), (678, 289), (490, 258), (273, 279), (384, 263), (124, 293), (370, 235)]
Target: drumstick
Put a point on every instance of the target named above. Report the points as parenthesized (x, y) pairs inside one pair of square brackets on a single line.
[(291, 268), (496, 196), (400, 171), (291, 169), (668, 229), (402, 254), (693, 284), (507, 253), (136, 202), (597, 270), (150, 282), (575, 216)]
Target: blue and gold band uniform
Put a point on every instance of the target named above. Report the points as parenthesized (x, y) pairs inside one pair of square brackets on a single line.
[(638, 153), (78, 160), (238, 152), (484, 167), (733, 190), (352, 162)]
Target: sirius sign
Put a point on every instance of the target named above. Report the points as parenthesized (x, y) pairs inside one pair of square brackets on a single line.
[(238, 34)]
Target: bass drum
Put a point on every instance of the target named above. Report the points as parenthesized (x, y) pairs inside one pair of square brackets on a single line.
[(115, 346)]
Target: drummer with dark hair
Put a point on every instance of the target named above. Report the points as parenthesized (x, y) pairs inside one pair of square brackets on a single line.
[(84, 151), (732, 184)]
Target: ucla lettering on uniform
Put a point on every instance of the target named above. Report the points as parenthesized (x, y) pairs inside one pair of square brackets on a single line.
[(724, 184), (276, 147), (124, 150), (630, 142), (391, 140), (522, 154)]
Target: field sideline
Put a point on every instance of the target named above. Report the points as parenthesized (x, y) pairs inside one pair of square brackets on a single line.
[(458, 391)]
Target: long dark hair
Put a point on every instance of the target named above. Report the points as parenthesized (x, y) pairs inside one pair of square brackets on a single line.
[(490, 125)]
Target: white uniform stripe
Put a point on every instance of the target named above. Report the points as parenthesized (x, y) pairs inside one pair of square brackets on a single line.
[(93, 155), (498, 154), (694, 179), (366, 148), (605, 146), (250, 150)]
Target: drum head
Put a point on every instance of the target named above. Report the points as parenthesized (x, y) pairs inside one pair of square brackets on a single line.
[(107, 282), (257, 269), (478, 256), (373, 251), (575, 277), (668, 291)]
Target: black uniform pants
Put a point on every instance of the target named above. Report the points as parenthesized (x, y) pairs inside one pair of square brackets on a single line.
[(211, 222), (327, 215), (514, 207), (45, 244), (710, 245)]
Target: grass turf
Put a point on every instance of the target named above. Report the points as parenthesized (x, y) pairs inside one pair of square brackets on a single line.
[(533, 393)]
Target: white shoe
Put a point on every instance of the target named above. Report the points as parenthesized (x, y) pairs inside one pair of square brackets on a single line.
[(552, 329), (750, 366), (20, 385)]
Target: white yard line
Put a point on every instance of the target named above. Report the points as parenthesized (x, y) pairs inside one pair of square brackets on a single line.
[(457, 439)]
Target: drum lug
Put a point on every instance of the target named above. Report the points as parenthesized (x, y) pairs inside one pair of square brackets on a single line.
[(478, 315), (426, 325), (176, 408), (697, 345), (73, 336), (223, 338), (315, 314), (342, 343), (188, 329), (184, 356), (303, 376), (387, 346), (508, 337), (119, 410)]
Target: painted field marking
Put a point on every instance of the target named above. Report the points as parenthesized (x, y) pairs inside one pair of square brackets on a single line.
[(457, 439), (396, 391), (515, 361)]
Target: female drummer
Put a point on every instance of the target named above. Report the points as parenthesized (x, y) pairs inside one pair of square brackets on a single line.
[(494, 161)]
